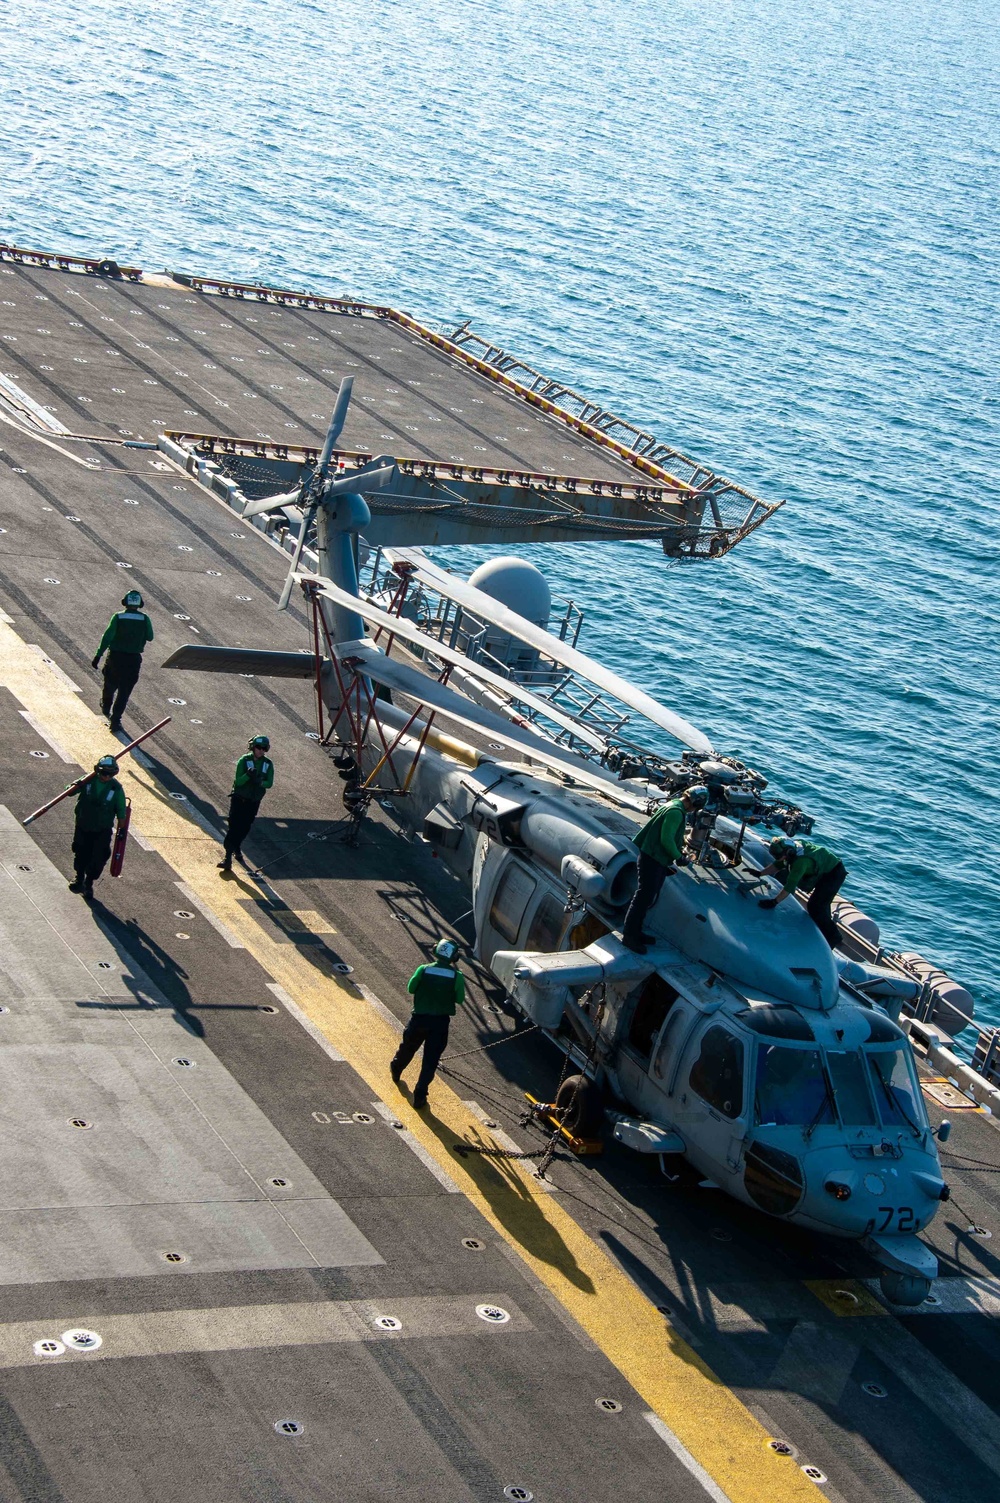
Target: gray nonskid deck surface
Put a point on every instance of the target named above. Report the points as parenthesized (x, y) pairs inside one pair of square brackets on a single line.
[(128, 1375), (123, 359), (463, 1413), (168, 1151)]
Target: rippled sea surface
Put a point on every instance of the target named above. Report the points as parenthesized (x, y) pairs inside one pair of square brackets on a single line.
[(765, 231)]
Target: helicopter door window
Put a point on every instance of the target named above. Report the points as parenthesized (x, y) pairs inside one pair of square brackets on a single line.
[(655, 1001), (791, 1088), (717, 1073), (515, 891), (896, 1089), (547, 924), (850, 1087)]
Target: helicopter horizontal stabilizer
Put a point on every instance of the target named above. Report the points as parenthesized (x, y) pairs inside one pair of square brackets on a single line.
[(252, 662), (393, 674), (485, 608), (401, 627)]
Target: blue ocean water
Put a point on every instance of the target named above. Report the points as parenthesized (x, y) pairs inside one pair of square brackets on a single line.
[(765, 231)]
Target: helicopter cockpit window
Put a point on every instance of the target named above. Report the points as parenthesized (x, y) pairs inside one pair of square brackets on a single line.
[(717, 1073), (850, 1087), (897, 1093), (547, 925), (791, 1089), (515, 891), (655, 1001)]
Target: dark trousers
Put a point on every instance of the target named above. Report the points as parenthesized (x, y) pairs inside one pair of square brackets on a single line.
[(431, 1030), (242, 813), (121, 673), (821, 899), (91, 849), (651, 877)]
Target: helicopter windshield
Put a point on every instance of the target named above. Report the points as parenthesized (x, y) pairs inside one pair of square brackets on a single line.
[(897, 1092), (792, 1088)]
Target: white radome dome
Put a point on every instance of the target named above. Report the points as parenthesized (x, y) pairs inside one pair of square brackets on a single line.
[(518, 585)]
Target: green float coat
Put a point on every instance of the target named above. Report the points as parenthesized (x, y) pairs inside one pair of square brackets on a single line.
[(99, 804), (436, 989), (662, 836), (128, 631), (806, 870), (253, 779)]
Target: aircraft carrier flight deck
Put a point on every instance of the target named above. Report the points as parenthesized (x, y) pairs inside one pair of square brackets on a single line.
[(235, 1264)]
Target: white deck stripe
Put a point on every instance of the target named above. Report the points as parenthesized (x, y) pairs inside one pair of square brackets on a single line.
[(685, 1458)]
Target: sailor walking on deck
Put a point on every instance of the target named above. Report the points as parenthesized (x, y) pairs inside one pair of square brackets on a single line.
[(816, 870), (437, 990), (254, 776), (128, 632), (661, 851), (100, 802)]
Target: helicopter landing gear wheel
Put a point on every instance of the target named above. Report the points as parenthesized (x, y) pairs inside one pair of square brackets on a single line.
[(904, 1288), (579, 1099)]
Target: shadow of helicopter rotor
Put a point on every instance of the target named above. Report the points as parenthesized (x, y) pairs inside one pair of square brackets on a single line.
[(158, 982), (510, 1200)]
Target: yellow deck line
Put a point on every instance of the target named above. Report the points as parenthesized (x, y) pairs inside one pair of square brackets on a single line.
[(718, 1430)]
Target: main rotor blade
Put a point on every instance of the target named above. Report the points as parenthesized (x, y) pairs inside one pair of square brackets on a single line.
[(485, 608), (454, 706), (337, 420), (300, 542), (400, 627)]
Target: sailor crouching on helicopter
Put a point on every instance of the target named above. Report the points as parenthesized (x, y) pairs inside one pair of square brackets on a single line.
[(100, 802), (661, 851), (128, 632), (254, 776), (816, 870), (437, 990)]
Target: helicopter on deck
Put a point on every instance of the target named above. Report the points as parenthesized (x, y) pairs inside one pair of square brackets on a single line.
[(739, 1040)]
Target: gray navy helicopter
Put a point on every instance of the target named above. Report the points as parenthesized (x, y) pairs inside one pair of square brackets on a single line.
[(738, 1040)]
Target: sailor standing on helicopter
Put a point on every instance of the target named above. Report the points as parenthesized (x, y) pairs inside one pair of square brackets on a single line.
[(661, 851), (816, 870)]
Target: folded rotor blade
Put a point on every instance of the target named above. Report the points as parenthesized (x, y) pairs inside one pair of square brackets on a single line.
[(255, 662), (271, 503), (454, 706), (400, 627), (337, 419), (300, 542), (485, 608)]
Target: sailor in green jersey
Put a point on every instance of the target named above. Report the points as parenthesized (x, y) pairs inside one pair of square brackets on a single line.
[(128, 632), (437, 990), (100, 802), (661, 850), (254, 776), (816, 870)]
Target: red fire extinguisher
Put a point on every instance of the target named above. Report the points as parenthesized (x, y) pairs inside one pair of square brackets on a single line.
[(121, 837)]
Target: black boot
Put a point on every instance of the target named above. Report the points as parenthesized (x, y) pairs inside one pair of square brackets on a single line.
[(226, 864), (634, 942), (77, 884)]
